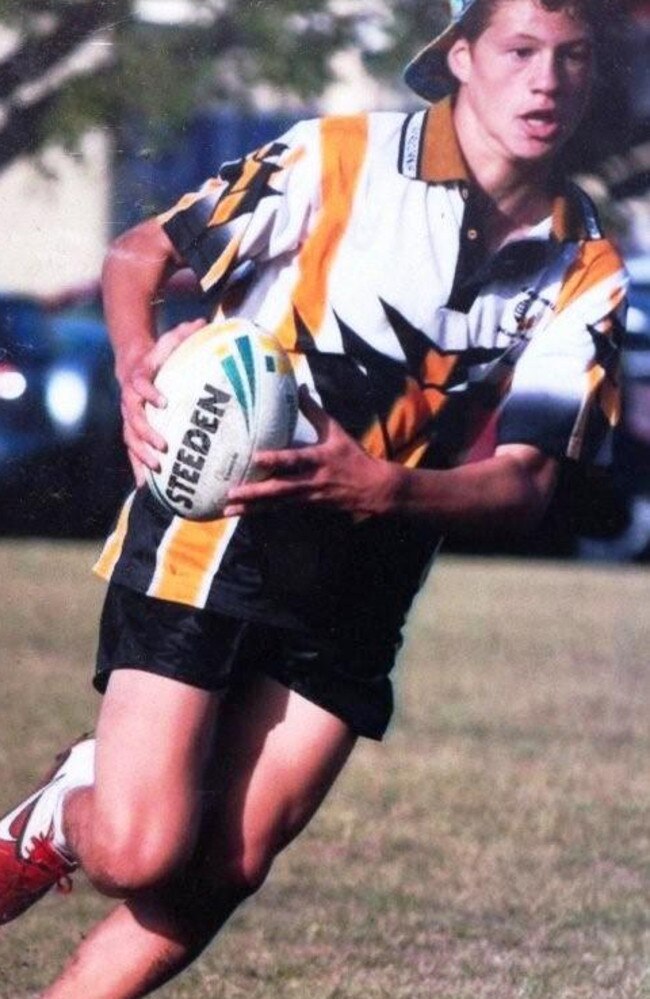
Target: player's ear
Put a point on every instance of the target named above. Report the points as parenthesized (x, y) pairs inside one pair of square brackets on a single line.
[(459, 60)]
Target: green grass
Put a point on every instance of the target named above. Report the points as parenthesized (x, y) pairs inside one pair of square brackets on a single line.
[(497, 846)]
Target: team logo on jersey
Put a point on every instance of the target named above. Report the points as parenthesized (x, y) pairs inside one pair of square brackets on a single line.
[(523, 314)]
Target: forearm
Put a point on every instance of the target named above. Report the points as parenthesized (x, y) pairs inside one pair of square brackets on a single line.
[(135, 267), (511, 488)]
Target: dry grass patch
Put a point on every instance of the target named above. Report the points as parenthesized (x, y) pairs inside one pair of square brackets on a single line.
[(497, 846)]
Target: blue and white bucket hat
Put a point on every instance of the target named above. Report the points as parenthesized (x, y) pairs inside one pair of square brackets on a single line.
[(427, 73)]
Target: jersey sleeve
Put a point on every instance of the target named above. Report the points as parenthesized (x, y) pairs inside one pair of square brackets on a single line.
[(256, 208), (565, 394)]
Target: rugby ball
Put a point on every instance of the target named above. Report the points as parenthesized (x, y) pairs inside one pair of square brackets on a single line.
[(230, 392)]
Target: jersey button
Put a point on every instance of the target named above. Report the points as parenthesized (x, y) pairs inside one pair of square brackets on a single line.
[(472, 234)]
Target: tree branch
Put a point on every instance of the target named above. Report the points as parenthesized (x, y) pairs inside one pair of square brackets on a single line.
[(38, 54), (22, 124)]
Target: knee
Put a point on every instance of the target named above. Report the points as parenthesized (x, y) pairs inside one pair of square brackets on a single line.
[(125, 861)]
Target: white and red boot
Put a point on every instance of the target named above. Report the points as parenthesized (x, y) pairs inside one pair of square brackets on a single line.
[(33, 856)]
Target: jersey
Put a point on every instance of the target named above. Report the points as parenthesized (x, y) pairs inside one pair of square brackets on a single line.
[(357, 241)]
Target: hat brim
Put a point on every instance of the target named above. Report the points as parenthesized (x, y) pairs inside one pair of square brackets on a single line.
[(427, 74)]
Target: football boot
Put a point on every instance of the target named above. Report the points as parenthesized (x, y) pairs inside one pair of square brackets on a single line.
[(30, 864)]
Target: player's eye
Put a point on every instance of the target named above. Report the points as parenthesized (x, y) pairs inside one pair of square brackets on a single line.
[(578, 56), (522, 53)]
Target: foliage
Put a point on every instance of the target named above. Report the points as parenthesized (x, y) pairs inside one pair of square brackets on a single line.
[(76, 63), (81, 63)]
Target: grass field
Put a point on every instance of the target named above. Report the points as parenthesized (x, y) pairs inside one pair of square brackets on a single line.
[(497, 846)]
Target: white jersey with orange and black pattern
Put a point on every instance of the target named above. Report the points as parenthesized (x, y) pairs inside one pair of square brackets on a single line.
[(357, 241)]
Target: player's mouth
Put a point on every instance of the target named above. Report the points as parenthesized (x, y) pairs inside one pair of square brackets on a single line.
[(542, 124)]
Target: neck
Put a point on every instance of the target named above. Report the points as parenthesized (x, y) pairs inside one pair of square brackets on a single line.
[(516, 194)]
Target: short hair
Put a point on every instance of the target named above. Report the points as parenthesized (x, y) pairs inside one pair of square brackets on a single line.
[(609, 21), (595, 13)]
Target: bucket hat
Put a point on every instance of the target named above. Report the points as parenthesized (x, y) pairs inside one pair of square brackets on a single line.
[(427, 74)]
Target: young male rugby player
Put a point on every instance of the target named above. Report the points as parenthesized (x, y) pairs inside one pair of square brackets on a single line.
[(426, 272)]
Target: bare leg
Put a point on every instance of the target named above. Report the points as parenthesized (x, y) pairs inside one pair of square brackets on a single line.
[(140, 820), (276, 757)]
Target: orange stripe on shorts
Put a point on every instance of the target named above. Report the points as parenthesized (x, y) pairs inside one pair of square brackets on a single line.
[(112, 549)]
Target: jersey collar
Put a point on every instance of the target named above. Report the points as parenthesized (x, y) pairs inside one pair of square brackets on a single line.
[(432, 153), (441, 159)]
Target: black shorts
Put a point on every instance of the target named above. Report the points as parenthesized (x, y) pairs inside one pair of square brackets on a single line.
[(213, 651)]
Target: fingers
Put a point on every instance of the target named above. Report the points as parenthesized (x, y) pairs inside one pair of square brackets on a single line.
[(137, 429), (300, 474), (138, 470), (288, 461), (270, 489), (169, 341), (145, 391), (257, 497), (142, 454), (143, 442), (142, 380), (291, 475)]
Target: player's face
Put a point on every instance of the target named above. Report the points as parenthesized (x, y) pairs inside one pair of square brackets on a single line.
[(526, 80)]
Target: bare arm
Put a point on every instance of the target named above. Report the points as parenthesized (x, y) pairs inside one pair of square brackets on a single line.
[(510, 489), (513, 486), (136, 266)]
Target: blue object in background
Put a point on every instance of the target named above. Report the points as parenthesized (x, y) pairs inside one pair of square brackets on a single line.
[(148, 180), (62, 465)]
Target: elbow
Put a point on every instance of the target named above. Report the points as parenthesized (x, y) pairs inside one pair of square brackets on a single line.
[(120, 260), (142, 255), (532, 487), (110, 266)]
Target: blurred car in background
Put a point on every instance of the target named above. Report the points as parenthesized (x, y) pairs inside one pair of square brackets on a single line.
[(62, 465), (63, 469)]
